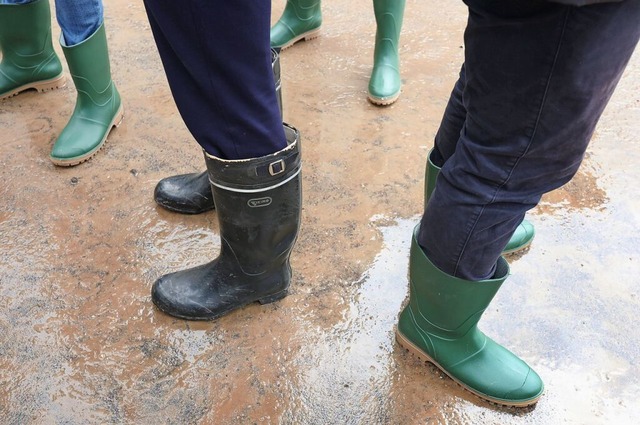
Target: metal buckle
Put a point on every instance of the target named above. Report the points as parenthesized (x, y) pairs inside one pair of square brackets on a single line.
[(277, 167)]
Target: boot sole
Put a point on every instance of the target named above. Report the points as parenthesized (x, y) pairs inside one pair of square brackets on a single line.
[(307, 36), (41, 86), (518, 249), (416, 351), (383, 101), (117, 120), (264, 300), (177, 209)]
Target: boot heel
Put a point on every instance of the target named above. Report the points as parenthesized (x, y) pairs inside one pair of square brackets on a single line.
[(312, 34), (48, 85), (275, 297), (117, 120)]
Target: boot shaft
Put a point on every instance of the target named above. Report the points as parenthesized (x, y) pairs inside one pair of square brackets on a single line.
[(259, 204), (430, 176), (91, 71), (303, 10), (446, 305), (25, 29), (25, 41), (389, 16)]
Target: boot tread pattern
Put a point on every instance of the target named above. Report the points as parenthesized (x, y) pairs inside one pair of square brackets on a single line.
[(384, 101), (307, 36), (41, 86)]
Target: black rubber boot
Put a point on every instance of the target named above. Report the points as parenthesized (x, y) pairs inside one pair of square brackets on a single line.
[(185, 193), (258, 202), (191, 193)]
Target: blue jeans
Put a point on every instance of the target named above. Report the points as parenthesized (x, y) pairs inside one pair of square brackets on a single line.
[(78, 19), (217, 58), (532, 88)]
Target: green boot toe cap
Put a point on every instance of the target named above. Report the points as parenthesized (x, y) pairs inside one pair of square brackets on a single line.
[(493, 372), (522, 237), (528, 393), (79, 139)]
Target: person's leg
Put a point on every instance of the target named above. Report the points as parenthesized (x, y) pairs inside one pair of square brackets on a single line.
[(218, 62), (301, 19), (446, 140), (531, 110), (448, 134), (191, 193), (98, 105), (535, 87), (28, 58), (78, 19), (222, 84)]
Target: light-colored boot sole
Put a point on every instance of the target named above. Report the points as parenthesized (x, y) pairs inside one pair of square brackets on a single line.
[(309, 35), (383, 101), (41, 86)]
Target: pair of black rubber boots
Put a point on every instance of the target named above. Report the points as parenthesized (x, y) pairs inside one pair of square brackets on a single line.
[(258, 202)]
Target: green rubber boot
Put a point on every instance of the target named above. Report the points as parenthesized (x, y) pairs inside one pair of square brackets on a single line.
[(521, 238), (385, 84), (301, 19), (98, 105), (439, 325), (28, 58)]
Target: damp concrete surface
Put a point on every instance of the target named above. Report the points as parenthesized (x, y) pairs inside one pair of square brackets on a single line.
[(82, 343)]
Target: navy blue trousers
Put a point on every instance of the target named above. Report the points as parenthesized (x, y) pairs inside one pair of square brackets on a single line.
[(217, 59), (533, 85)]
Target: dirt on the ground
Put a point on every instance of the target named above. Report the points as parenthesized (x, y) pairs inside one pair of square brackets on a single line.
[(82, 343)]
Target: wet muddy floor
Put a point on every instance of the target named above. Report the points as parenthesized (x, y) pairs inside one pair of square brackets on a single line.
[(81, 342)]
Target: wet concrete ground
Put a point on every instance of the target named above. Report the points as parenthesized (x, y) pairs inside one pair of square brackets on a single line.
[(81, 342)]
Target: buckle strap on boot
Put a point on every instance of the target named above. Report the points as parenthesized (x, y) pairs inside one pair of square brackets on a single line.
[(257, 174)]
